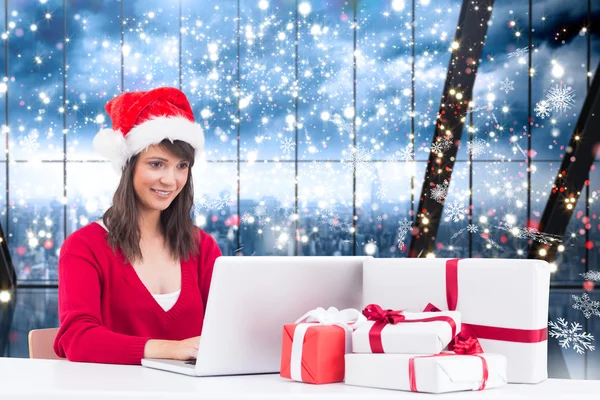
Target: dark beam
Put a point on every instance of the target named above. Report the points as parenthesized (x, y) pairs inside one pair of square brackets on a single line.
[(572, 175), (458, 92)]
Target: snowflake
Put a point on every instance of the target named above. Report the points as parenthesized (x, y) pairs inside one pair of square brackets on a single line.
[(440, 191), (357, 158), (560, 98), (442, 145), (491, 243), (221, 202), (566, 335), (455, 211), (518, 52), (260, 211), (379, 218), (542, 109), (591, 276), (343, 125), (507, 85), (286, 205), (530, 234), (29, 142), (437, 147), (282, 241), (382, 191), (247, 218), (404, 227), (472, 228), (287, 145), (587, 306), (407, 154), (476, 147)]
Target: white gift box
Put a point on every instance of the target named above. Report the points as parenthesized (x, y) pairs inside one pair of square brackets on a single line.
[(429, 337), (438, 374), (505, 301)]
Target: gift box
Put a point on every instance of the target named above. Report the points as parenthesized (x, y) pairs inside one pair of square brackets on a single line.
[(503, 302), (407, 333), (432, 374), (313, 348)]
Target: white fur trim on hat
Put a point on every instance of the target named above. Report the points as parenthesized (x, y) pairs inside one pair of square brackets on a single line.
[(118, 149)]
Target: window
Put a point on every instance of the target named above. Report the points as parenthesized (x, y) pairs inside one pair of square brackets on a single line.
[(326, 112)]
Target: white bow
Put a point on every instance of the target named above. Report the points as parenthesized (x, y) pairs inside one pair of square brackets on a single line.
[(331, 316)]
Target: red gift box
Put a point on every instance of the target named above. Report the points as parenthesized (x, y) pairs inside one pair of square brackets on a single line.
[(323, 350)]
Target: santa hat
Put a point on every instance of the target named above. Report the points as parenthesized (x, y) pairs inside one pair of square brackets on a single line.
[(141, 119)]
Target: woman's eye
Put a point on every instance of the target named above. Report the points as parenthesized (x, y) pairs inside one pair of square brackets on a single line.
[(184, 166), (155, 164)]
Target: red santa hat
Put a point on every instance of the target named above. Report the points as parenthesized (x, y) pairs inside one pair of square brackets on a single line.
[(141, 119)]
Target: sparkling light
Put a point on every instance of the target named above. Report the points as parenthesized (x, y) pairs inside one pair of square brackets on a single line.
[(304, 8)]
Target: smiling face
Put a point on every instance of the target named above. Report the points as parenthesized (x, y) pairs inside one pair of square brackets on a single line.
[(158, 178)]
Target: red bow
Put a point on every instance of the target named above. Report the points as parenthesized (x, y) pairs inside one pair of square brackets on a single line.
[(465, 342), (374, 312)]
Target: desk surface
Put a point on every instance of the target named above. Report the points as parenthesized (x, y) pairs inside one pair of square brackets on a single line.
[(49, 379)]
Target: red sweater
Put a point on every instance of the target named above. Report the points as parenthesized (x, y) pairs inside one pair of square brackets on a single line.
[(107, 314)]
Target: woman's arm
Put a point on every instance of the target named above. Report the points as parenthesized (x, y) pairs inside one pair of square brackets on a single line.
[(81, 336)]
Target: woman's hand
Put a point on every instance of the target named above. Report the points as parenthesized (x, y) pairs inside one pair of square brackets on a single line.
[(172, 349)]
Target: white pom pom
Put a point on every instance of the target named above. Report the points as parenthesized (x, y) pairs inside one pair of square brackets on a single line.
[(112, 145)]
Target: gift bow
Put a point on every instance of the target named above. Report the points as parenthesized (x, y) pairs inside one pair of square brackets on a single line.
[(465, 342), (320, 316), (374, 312), (382, 317), (333, 316)]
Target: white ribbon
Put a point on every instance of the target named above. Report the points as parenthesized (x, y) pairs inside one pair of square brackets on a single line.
[(320, 316)]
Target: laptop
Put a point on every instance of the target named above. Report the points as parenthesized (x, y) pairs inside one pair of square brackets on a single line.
[(250, 300)]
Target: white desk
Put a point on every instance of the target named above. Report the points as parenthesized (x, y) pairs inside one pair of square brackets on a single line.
[(45, 379)]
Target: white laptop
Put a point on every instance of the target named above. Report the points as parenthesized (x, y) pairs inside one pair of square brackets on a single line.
[(250, 300)]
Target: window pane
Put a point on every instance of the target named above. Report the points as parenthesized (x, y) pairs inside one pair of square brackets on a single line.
[(383, 208), (325, 208), (384, 75), (594, 219), (500, 209), (325, 75), (500, 92), (36, 229), (89, 198), (215, 211), (566, 362), (3, 197), (3, 89), (559, 83), (267, 90), (267, 207), (435, 29), (209, 72), (151, 47), (453, 235), (35, 309), (35, 68), (571, 262), (94, 57)]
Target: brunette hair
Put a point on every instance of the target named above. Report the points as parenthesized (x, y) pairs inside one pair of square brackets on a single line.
[(176, 224)]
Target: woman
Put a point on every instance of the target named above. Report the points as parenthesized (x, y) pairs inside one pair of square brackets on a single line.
[(135, 284)]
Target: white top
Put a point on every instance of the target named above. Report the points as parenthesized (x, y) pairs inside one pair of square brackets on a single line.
[(57, 379), (166, 301)]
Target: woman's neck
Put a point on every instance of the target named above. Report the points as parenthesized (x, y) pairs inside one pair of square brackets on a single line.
[(150, 225)]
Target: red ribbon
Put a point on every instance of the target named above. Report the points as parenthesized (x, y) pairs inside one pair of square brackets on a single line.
[(413, 378), (483, 331), (382, 317)]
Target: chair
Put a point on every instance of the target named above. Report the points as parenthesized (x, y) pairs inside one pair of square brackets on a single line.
[(41, 343)]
